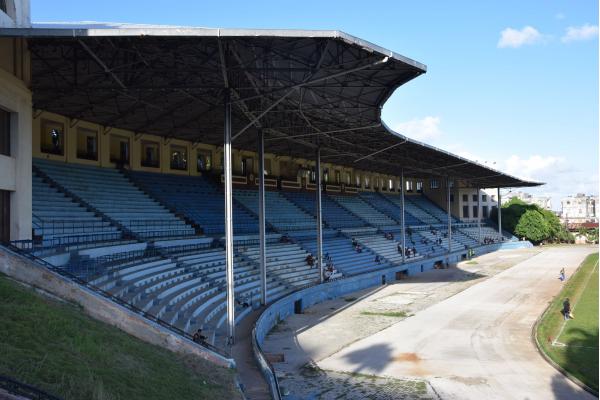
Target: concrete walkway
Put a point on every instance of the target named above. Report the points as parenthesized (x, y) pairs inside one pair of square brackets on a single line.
[(255, 386), (476, 344)]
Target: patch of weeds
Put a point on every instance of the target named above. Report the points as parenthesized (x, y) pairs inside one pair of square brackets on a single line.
[(310, 370), (472, 262), (349, 299), (396, 314)]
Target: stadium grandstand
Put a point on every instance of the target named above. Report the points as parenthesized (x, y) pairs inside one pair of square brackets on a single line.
[(194, 175)]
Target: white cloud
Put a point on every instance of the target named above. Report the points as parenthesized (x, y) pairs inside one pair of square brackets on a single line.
[(514, 38), (579, 33), (535, 167), (423, 129)]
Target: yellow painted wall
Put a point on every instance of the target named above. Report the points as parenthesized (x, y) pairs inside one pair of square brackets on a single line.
[(165, 145)]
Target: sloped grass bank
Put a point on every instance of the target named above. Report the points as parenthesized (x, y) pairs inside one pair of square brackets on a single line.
[(56, 347)]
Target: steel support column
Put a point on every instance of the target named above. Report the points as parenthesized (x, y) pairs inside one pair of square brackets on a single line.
[(499, 214), (403, 184), (449, 217), (479, 213), (320, 260), (229, 221), (261, 216)]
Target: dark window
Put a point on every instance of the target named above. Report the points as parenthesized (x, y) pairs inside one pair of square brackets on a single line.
[(465, 211), (475, 198), (150, 155), (4, 216), (3, 6), (204, 161), (484, 198), (484, 212), (451, 198), (4, 132), (465, 198), (475, 211), (178, 158), (87, 144)]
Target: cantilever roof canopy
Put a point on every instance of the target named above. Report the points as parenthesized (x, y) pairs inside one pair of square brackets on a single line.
[(305, 89)]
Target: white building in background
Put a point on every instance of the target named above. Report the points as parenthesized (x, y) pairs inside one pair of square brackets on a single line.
[(541, 201), (579, 208), (468, 203)]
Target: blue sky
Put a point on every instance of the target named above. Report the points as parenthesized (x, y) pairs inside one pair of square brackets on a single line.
[(513, 83)]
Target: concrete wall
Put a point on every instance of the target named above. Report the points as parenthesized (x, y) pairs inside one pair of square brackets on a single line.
[(101, 308), (15, 97)]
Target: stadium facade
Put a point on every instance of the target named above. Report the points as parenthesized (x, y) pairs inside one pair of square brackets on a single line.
[(178, 168)]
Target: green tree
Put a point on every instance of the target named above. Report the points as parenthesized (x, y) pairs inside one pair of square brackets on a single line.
[(533, 226)]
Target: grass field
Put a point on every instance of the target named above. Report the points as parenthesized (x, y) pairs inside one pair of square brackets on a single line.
[(574, 345), (56, 347)]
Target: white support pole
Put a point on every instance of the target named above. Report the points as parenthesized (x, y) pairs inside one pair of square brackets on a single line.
[(449, 217), (261, 216), (479, 213), (403, 184), (229, 221), (320, 260), (499, 214)]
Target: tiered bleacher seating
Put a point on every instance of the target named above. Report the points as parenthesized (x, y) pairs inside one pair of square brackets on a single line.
[(486, 232), (422, 217), (364, 210), (333, 215), (58, 220), (345, 259), (383, 204), (284, 215), (431, 208), (198, 199), (188, 290), (111, 193), (181, 279)]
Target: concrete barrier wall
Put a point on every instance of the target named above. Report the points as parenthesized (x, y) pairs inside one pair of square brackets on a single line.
[(103, 309)]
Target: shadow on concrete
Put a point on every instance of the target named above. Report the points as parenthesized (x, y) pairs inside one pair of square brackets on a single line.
[(372, 359)]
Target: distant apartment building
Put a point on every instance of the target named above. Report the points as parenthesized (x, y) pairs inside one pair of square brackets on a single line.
[(541, 201), (579, 209)]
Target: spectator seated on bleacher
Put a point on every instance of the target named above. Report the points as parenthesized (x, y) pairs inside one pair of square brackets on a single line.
[(310, 260), (399, 247), (358, 248), (198, 337), (377, 259), (284, 238), (331, 273), (354, 243), (244, 302)]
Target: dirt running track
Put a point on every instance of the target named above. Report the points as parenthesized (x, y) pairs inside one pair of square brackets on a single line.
[(476, 344)]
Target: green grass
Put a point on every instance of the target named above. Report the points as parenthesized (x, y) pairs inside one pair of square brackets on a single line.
[(57, 348), (580, 335), (397, 314)]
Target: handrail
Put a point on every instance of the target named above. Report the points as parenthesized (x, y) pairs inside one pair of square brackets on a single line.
[(17, 388), (121, 302)]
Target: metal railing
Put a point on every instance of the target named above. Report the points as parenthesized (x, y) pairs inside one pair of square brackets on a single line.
[(83, 282), (17, 388)]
